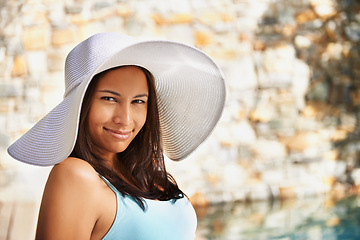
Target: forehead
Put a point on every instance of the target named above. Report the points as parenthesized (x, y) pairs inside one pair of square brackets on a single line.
[(128, 78)]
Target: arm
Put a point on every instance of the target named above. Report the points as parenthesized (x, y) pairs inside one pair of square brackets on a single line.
[(68, 209)]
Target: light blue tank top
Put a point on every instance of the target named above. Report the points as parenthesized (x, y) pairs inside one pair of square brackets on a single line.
[(162, 220)]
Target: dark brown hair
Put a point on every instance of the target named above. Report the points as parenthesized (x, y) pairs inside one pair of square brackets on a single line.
[(143, 159)]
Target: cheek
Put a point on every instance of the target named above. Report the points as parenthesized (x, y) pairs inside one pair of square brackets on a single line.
[(141, 118), (144, 116), (96, 116), (91, 124)]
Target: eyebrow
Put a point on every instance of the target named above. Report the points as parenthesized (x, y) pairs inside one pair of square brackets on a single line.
[(118, 94)]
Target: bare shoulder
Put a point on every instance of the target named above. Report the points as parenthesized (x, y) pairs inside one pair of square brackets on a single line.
[(75, 168), (70, 199), (76, 177)]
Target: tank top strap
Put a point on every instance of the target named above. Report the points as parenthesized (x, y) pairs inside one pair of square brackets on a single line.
[(109, 184)]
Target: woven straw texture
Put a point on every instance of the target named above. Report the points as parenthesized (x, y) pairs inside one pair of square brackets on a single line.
[(190, 88)]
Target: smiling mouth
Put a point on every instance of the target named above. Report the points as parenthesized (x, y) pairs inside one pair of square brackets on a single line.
[(121, 135)]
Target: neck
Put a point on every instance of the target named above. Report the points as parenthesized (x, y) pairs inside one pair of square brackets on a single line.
[(123, 172)]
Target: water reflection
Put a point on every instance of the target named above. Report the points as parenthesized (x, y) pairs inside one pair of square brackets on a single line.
[(305, 219)]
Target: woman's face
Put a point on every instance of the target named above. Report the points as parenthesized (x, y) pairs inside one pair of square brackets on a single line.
[(118, 110)]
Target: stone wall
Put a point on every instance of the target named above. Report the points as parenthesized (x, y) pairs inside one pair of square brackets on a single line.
[(291, 123)]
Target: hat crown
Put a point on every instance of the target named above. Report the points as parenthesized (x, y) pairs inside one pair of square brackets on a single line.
[(85, 58), (190, 94)]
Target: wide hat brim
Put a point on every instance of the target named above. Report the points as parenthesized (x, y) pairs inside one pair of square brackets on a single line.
[(191, 98)]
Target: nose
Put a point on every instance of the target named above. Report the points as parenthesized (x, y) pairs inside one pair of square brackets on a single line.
[(123, 114)]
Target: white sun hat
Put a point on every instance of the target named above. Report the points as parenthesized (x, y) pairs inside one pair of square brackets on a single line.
[(189, 85)]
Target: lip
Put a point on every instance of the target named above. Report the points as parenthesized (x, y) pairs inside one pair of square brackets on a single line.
[(121, 135)]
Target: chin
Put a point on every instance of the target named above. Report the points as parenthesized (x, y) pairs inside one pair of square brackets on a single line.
[(120, 150)]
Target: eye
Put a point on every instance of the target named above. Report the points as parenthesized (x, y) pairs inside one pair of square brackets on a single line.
[(138, 101), (106, 98)]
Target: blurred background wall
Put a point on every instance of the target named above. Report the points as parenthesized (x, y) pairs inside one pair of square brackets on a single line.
[(291, 124)]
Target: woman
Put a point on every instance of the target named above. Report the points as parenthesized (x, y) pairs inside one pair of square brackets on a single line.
[(125, 101)]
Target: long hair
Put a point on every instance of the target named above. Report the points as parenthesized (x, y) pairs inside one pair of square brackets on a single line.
[(143, 159)]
